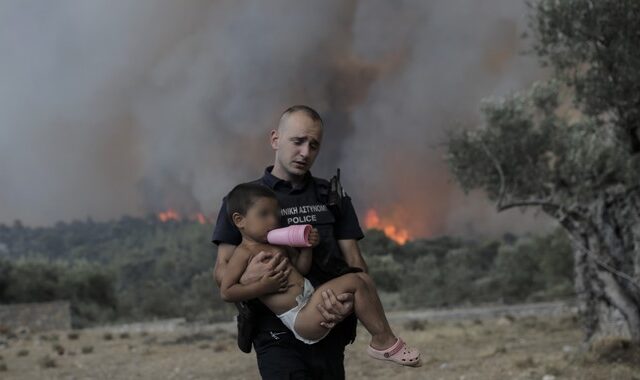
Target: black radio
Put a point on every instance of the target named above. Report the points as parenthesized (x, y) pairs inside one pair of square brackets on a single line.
[(336, 194)]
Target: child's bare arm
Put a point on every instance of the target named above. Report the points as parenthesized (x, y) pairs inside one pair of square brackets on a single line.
[(302, 259), (232, 291)]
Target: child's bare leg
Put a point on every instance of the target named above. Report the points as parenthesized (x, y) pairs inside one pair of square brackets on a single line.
[(367, 307), (377, 305)]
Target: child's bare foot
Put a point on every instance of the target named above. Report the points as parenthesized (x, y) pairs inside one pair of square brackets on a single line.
[(398, 353)]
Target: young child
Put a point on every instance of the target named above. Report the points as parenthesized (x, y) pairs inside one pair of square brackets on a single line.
[(254, 210)]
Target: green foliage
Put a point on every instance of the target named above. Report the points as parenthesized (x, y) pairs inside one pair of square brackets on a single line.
[(386, 272), (89, 288), (517, 270), (165, 270), (376, 243), (121, 270), (592, 47), (424, 284), (159, 299), (534, 265), (566, 140), (202, 300), (461, 275), (570, 146)]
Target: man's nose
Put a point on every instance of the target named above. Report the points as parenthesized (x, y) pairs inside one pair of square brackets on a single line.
[(304, 150)]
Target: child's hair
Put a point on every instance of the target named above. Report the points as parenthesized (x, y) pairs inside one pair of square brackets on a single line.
[(242, 197)]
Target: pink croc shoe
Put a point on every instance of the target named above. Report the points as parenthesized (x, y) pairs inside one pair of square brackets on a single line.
[(399, 353)]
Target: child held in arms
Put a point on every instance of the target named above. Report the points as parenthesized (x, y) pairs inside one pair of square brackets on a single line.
[(254, 210)]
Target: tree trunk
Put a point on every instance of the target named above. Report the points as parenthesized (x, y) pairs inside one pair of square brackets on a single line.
[(586, 291), (606, 253)]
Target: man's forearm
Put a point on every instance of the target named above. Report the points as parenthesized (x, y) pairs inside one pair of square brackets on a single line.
[(224, 254), (352, 255), (217, 275), (357, 262), (240, 292), (247, 278)]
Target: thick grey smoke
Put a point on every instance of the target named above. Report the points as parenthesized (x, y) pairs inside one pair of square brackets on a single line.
[(111, 108)]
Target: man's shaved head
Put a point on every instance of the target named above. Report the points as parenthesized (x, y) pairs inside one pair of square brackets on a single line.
[(306, 110)]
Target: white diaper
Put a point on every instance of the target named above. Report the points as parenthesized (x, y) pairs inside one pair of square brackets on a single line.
[(289, 316)]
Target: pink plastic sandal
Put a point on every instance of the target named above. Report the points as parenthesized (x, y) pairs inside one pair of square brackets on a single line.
[(399, 353)]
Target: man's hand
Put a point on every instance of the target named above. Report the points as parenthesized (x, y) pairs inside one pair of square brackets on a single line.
[(335, 309), (265, 264), (276, 282), (314, 237)]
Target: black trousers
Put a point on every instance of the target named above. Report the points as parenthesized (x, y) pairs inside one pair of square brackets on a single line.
[(283, 357)]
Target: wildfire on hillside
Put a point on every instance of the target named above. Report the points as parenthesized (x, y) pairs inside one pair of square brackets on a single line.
[(173, 215), (397, 234)]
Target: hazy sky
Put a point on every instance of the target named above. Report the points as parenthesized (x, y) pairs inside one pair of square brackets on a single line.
[(110, 108)]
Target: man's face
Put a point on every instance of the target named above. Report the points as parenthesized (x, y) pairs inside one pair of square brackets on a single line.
[(297, 143)]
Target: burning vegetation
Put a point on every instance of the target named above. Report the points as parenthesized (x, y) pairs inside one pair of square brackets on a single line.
[(397, 234), (173, 215)]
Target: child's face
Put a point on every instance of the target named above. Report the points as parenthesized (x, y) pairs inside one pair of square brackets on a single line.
[(262, 217)]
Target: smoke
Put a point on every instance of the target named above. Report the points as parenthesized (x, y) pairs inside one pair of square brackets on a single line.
[(127, 108)]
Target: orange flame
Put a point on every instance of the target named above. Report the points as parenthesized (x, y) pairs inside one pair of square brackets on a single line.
[(399, 235), (173, 215), (168, 215)]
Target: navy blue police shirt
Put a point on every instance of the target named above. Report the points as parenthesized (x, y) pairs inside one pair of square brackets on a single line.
[(306, 204)]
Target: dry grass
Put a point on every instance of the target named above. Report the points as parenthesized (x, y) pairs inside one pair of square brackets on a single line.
[(615, 350), (511, 348)]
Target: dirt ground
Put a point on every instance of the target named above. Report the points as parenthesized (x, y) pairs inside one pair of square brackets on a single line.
[(530, 347)]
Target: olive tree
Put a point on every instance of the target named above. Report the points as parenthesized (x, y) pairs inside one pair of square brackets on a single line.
[(570, 147)]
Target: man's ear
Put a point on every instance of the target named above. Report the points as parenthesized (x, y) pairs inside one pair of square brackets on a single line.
[(274, 138), (238, 219)]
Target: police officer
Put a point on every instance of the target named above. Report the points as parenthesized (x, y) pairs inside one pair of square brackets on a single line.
[(304, 199)]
